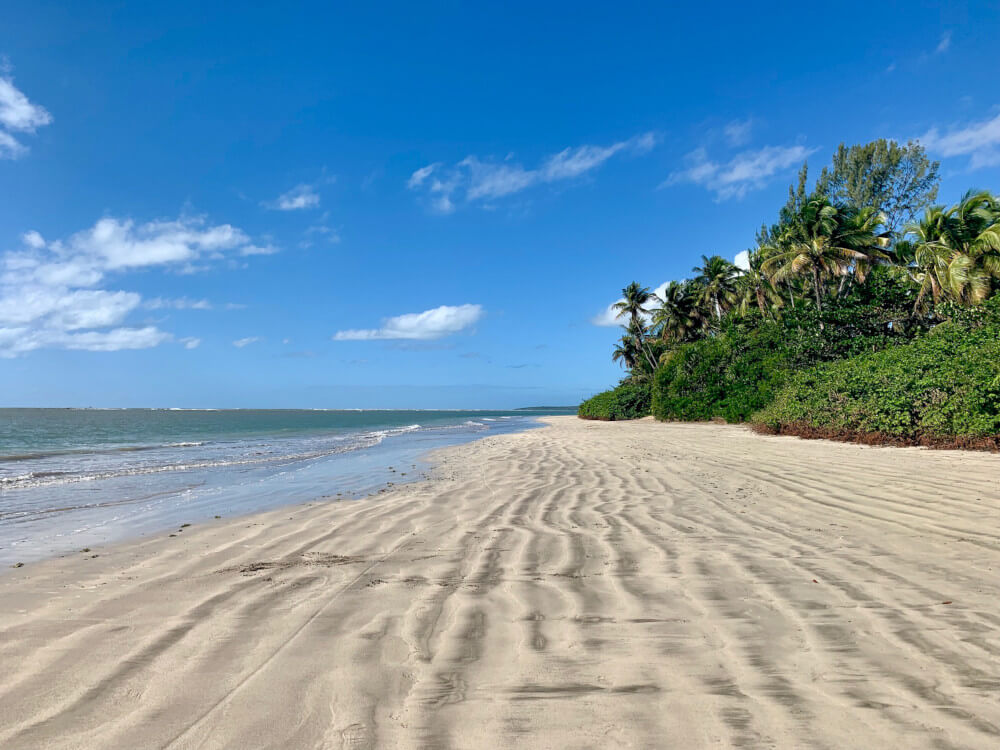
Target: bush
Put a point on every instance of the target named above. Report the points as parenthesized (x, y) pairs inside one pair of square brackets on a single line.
[(627, 401), (730, 375), (938, 388)]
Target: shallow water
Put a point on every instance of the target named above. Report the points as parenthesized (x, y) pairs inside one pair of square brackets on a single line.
[(80, 478)]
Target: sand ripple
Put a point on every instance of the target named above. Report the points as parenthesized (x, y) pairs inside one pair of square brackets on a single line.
[(586, 585)]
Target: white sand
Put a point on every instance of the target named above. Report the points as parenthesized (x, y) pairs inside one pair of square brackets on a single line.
[(585, 585)]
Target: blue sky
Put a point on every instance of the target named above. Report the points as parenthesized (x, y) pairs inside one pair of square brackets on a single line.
[(427, 205)]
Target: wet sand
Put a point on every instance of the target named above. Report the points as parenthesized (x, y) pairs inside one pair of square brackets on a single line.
[(586, 585)]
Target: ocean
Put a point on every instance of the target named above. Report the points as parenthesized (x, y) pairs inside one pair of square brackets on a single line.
[(75, 478)]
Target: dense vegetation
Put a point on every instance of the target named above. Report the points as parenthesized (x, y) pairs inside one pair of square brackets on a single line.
[(630, 400), (865, 312)]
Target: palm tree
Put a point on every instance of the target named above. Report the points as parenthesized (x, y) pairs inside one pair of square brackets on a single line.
[(717, 277), (634, 299), (926, 266), (979, 216), (644, 362), (824, 243), (755, 289), (625, 352), (679, 317), (859, 230), (953, 253)]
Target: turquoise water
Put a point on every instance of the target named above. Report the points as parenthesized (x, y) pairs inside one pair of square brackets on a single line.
[(73, 478)]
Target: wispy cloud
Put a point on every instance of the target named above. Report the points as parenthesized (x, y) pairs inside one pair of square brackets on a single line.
[(429, 324), (747, 171), (240, 343), (191, 342), (474, 179), (980, 141), (181, 303), (17, 115), (418, 177), (329, 234), (944, 44), (738, 132), (52, 295), (300, 197)]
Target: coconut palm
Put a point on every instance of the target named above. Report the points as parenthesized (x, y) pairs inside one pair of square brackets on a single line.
[(824, 243), (679, 316), (755, 289), (625, 352), (636, 332), (634, 302), (978, 215), (718, 280), (952, 253), (859, 231)]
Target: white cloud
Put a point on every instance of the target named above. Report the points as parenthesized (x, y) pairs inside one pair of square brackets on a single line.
[(33, 240), (121, 244), (63, 309), (240, 343), (182, 303), (17, 114), (944, 44), (418, 177), (742, 260), (16, 341), (607, 317), (490, 180), (50, 295), (299, 197), (430, 324), (191, 342), (749, 170), (10, 147), (473, 179), (115, 340), (737, 132), (574, 162), (980, 141)]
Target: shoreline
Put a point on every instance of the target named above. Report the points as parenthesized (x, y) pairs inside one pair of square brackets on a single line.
[(41, 522), (623, 584)]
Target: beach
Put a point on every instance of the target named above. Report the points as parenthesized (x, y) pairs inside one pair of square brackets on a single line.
[(584, 585)]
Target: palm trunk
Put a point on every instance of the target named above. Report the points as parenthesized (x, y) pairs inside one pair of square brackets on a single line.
[(818, 291), (642, 344)]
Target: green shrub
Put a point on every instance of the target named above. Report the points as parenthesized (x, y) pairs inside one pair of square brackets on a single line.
[(627, 401), (945, 384), (730, 375)]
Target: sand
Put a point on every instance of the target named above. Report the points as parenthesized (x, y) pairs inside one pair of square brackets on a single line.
[(585, 585)]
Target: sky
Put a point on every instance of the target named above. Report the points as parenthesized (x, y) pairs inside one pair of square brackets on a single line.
[(387, 205)]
